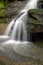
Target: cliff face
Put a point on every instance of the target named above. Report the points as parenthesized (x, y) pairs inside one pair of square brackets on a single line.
[(36, 23), (36, 19)]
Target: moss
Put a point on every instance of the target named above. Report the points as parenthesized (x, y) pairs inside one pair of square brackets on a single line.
[(1, 5), (39, 44), (36, 11), (36, 22), (33, 21), (2, 12)]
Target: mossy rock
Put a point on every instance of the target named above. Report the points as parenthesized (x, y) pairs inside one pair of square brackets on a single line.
[(36, 13), (39, 44), (35, 21)]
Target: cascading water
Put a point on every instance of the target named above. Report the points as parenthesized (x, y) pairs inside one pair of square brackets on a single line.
[(19, 25), (32, 4), (16, 36)]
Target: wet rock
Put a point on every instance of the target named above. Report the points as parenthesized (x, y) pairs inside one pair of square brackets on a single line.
[(36, 14), (36, 19)]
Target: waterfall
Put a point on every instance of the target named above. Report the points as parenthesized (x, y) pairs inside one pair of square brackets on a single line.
[(14, 43), (18, 32), (31, 4)]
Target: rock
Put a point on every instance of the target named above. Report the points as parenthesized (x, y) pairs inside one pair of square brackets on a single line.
[(40, 4), (2, 27), (36, 19), (36, 16)]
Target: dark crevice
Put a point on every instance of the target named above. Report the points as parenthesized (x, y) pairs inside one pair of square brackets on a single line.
[(31, 15), (34, 37)]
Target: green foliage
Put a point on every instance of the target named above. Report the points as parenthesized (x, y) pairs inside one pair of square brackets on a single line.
[(1, 5), (2, 13), (1, 9)]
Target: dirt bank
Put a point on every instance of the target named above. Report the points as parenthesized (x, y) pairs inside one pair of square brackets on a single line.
[(2, 27)]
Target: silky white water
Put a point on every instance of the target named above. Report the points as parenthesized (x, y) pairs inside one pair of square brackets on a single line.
[(19, 27), (16, 30), (15, 35)]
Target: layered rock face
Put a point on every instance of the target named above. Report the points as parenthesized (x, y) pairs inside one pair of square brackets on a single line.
[(36, 19), (36, 22)]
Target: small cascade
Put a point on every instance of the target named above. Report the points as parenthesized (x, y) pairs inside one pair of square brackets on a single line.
[(8, 29), (19, 32), (31, 4)]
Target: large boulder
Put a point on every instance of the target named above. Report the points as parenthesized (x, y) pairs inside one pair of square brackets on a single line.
[(36, 19), (36, 16)]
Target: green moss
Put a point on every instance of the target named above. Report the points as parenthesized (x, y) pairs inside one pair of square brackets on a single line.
[(33, 21), (36, 11), (39, 44), (37, 22), (2, 12), (1, 5)]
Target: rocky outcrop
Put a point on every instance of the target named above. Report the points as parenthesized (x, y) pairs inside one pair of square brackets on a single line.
[(36, 14), (36, 24), (36, 18)]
